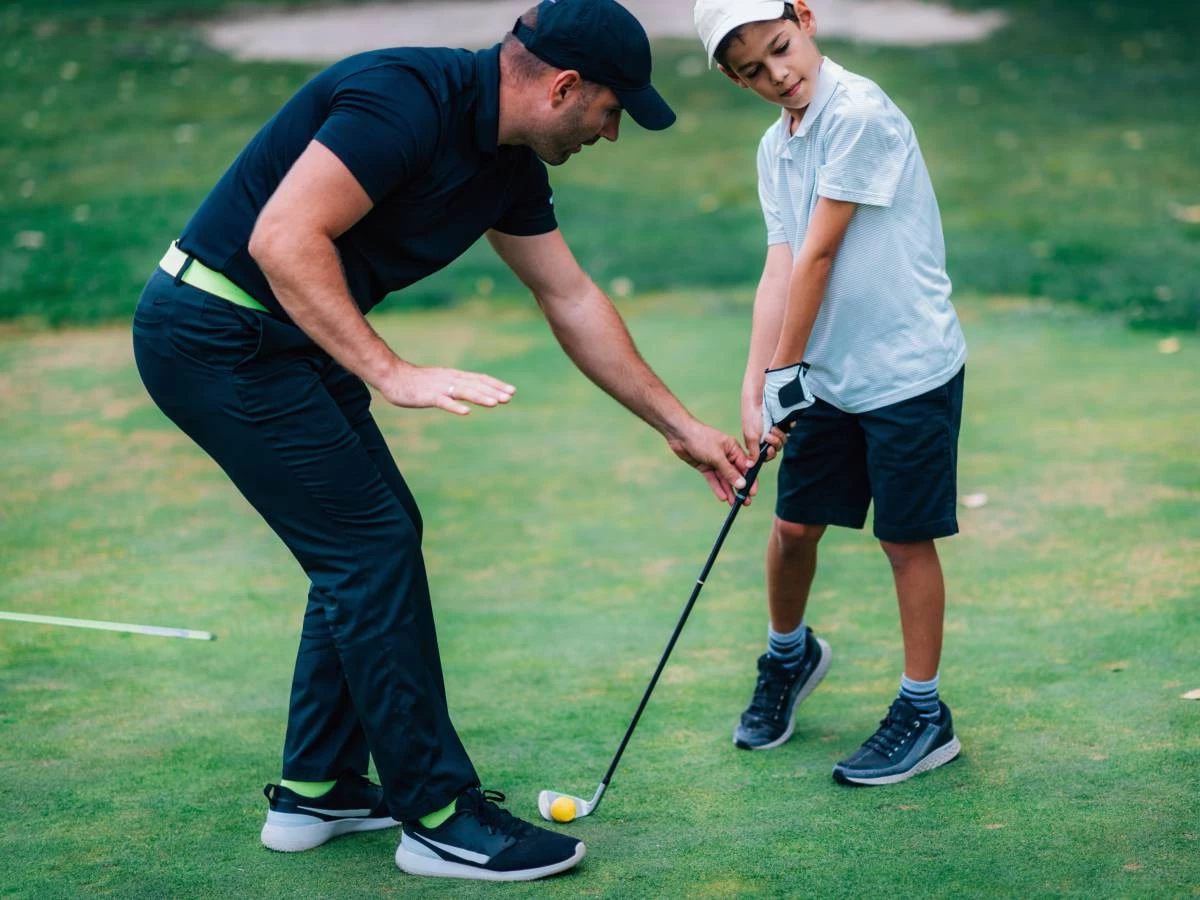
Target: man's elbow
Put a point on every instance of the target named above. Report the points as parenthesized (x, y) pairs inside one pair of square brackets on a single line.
[(263, 243), (567, 298), (271, 242)]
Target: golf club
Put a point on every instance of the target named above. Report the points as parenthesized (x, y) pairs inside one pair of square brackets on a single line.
[(559, 807)]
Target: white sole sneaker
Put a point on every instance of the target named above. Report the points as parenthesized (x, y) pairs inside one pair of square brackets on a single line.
[(938, 757), (416, 859), (809, 686), (292, 832)]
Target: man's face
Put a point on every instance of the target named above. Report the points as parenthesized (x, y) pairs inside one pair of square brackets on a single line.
[(589, 113), (777, 60)]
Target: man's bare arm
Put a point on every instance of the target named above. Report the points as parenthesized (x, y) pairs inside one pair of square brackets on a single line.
[(293, 243), (594, 336)]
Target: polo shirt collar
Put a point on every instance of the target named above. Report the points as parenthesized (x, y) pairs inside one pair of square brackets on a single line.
[(487, 103), (827, 81)]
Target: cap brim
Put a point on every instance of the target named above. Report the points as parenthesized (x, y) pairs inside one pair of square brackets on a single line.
[(647, 107)]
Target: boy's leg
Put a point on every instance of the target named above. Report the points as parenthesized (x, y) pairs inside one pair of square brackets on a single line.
[(821, 482), (791, 566), (912, 449), (921, 593)]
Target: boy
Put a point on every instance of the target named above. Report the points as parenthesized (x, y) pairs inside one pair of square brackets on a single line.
[(852, 325)]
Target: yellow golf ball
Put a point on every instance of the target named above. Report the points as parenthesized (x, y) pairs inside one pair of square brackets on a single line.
[(562, 809)]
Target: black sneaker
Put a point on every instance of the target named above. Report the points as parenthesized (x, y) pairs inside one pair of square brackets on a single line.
[(301, 823), (905, 745), (771, 716), (481, 840)]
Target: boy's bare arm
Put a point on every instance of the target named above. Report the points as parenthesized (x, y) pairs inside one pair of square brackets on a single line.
[(770, 301), (809, 278)]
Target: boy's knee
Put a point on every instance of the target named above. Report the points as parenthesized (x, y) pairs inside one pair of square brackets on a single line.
[(796, 536), (903, 555)]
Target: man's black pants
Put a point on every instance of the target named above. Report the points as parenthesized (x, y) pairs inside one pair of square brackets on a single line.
[(294, 432)]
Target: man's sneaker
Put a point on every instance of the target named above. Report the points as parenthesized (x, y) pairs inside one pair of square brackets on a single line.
[(481, 840), (771, 716), (301, 823), (905, 745)]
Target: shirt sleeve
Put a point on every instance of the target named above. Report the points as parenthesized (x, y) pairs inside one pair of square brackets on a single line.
[(384, 125), (768, 195), (865, 155), (532, 209)]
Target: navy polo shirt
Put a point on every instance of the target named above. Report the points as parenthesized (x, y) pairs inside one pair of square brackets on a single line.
[(418, 128)]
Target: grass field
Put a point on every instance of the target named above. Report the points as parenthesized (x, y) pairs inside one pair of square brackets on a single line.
[(1063, 152), (562, 539)]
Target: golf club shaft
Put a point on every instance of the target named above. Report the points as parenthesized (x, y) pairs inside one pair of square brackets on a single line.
[(751, 475)]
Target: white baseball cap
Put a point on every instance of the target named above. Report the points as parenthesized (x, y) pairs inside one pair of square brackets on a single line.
[(716, 18)]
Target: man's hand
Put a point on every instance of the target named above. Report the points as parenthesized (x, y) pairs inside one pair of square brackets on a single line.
[(419, 387), (785, 393), (716, 456)]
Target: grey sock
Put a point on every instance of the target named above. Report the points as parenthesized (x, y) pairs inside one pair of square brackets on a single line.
[(921, 694), (787, 647)]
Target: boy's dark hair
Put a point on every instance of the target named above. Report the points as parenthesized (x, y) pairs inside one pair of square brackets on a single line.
[(789, 15)]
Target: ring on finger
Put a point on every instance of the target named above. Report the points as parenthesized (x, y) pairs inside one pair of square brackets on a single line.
[(450, 391)]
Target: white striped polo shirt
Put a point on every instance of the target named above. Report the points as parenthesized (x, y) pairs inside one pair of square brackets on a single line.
[(886, 330)]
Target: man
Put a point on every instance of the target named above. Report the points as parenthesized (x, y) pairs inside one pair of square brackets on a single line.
[(252, 338)]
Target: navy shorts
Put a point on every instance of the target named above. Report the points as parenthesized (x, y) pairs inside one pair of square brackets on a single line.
[(904, 457)]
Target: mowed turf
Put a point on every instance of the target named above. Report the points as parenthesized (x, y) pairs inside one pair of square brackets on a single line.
[(562, 540)]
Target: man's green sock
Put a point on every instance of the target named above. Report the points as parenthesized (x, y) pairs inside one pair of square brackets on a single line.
[(434, 819), (308, 789)]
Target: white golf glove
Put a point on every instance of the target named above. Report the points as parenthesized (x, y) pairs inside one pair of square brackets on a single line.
[(785, 393)]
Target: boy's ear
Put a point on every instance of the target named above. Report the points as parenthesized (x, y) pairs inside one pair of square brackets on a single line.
[(732, 76)]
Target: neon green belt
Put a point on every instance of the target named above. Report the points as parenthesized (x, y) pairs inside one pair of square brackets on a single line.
[(201, 277)]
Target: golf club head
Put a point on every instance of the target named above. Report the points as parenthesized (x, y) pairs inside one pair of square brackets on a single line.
[(546, 798)]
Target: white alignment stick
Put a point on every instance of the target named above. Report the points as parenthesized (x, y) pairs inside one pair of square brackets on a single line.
[(110, 626)]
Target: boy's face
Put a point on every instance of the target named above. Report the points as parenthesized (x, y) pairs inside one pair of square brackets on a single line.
[(778, 60)]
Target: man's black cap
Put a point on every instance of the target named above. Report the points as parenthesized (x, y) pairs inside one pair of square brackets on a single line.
[(605, 44)]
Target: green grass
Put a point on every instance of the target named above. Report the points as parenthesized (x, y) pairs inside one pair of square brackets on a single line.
[(1062, 150), (562, 539)]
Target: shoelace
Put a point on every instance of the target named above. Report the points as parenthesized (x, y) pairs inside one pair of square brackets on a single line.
[(891, 733), (491, 816), (770, 694)]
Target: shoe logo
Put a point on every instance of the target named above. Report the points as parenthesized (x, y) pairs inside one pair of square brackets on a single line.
[(338, 813), (469, 855)]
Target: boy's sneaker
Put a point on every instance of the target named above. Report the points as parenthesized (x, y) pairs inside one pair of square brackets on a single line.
[(905, 745), (771, 716), (301, 823), (481, 840)]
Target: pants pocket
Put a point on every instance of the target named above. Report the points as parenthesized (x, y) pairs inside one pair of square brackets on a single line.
[(213, 332)]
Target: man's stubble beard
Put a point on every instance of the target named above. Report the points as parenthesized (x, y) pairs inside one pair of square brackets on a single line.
[(551, 148)]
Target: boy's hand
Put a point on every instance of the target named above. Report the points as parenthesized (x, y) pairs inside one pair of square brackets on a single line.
[(752, 430), (785, 394)]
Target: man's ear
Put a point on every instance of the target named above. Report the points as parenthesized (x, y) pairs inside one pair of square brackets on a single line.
[(563, 84), (736, 79)]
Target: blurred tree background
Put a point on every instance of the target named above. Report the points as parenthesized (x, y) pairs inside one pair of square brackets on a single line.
[(1062, 150)]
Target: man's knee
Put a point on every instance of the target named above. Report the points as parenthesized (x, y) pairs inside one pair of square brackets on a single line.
[(793, 536)]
